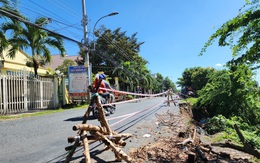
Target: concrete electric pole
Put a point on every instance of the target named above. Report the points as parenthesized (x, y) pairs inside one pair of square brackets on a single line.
[(84, 23)]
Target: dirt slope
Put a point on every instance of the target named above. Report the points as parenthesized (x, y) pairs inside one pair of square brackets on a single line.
[(177, 139)]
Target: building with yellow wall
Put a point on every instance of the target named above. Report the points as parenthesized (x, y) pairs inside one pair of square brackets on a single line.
[(9, 65)]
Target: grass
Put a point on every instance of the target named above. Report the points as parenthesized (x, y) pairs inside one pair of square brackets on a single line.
[(44, 112)]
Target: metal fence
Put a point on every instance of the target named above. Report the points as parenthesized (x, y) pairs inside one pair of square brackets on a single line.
[(22, 92)]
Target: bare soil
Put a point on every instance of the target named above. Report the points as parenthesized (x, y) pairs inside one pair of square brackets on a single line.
[(177, 138)]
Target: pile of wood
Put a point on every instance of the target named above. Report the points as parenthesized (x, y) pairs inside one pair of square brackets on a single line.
[(89, 133)]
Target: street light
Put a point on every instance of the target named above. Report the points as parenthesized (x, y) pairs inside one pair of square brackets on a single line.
[(111, 14)]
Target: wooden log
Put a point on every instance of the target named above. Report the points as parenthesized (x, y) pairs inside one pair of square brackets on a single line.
[(201, 154), (68, 148), (86, 115), (118, 151), (184, 142), (168, 98), (115, 135), (236, 147), (73, 148), (205, 149), (86, 148), (247, 147), (88, 127), (191, 157), (102, 117), (72, 139), (188, 140), (194, 135)]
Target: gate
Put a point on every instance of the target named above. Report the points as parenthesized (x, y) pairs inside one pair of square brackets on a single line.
[(22, 92)]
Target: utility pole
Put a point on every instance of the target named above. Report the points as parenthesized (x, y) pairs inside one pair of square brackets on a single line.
[(84, 23)]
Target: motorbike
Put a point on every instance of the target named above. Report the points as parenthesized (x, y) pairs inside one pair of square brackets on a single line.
[(108, 109)]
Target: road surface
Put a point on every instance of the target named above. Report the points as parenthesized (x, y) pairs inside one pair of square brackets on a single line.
[(42, 139)]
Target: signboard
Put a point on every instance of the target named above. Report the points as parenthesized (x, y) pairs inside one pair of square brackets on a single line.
[(78, 81)]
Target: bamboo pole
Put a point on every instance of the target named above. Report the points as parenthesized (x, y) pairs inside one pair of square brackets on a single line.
[(102, 117), (86, 148), (86, 115), (119, 153), (88, 127), (76, 144)]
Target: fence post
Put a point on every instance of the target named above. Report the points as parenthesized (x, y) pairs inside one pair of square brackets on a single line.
[(25, 90), (55, 89), (41, 93), (65, 99), (5, 94)]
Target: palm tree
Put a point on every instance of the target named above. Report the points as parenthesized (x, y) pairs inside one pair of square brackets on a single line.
[(37, 40), (4, 44), (4, 5)]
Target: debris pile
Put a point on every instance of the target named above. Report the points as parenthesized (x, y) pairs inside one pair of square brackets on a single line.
[(185, 143)]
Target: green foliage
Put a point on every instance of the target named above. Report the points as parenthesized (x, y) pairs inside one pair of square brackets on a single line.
[(168, 83), (24, 36), (230, 93), (241, 34), (196, 77), (63, 68), (192, 101), (221, 124)]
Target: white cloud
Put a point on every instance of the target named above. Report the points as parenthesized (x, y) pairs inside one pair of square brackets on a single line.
[(218, 65)]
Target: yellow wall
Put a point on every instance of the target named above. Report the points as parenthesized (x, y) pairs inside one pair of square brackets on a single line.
[(19, 63)]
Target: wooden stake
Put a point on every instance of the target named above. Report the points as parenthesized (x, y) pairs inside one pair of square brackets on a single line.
[(118, 151), (86, 148), (76, 144), (102, 116)]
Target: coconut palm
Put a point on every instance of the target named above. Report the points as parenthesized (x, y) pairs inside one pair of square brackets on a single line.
[(4, 6), (38, 41), (4, 3)]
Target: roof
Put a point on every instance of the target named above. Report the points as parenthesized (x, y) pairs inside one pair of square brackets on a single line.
[(57, 60)]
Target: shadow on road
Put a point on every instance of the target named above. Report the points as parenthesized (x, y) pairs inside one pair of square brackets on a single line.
[(79, 118)]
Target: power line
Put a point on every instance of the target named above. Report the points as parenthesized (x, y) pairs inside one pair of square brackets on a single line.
[(67, 8), (35, 25), (115, 63), (40, 10), (119, 49)]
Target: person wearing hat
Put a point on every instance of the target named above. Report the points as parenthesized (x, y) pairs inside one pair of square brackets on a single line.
[(100, 79)]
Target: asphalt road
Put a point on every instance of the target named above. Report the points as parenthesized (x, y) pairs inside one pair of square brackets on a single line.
[(42, 139)]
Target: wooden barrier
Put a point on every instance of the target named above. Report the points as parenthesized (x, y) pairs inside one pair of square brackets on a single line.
[(170, 97), (103, 133)]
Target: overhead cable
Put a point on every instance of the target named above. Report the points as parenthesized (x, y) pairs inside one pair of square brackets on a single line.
[(35, 25)]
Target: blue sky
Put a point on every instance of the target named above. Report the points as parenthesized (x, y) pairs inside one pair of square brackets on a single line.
[(173, 31)]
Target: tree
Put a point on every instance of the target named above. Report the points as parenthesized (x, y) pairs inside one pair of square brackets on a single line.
[(5, 7), (242, 34), (63, 68), (117, 55), (196, 77), (39, 41), (159, 79), (239, 93), (231, 93)]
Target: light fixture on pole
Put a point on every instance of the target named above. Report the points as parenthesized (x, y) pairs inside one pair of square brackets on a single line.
[(111, 14)]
